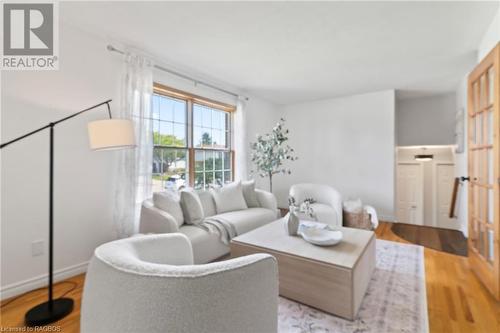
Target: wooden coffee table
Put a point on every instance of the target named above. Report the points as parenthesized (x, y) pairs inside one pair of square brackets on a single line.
[(333, 279)]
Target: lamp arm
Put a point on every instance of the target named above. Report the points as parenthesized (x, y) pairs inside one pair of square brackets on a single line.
[(53, 309), (24, 136), (52, 124)]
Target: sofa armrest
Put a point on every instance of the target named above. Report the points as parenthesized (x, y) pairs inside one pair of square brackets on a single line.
[(267, 200), (154, 220)]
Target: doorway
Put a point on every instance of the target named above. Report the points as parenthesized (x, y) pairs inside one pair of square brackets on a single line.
[(424, 186)]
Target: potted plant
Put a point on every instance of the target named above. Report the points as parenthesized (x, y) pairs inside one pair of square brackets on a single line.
[(270, 151)]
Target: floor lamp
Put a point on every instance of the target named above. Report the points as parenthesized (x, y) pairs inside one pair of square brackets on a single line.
[(103, 134)]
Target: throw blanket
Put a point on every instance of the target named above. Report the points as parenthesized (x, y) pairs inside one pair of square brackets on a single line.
[(373, 216), (216, 225)]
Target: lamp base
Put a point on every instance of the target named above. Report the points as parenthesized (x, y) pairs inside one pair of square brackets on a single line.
[(46, 313)]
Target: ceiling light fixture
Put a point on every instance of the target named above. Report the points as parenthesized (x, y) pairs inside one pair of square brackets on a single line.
[(424, 157)]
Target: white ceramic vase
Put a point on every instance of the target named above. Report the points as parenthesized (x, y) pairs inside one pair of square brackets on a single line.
[(292, 222)]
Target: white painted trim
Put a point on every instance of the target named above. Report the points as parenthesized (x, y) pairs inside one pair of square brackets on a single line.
[(386, 218), (426, 146), (20, 287)]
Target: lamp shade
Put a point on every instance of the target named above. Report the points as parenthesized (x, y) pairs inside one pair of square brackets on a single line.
[(111, 134)]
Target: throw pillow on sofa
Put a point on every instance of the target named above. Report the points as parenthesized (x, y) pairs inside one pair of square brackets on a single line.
[(229, 198), (249, 193), (170, 203), (208, 203), (191, 206)]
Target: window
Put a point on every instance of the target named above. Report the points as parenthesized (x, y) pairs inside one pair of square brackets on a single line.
[(192, 140), (210, 140), (169, 117)]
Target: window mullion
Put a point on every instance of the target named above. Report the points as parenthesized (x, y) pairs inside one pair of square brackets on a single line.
[(189, 136), (229, 138), (189, 127)]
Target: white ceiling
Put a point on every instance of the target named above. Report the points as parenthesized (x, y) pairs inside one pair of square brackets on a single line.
[(289, 52)]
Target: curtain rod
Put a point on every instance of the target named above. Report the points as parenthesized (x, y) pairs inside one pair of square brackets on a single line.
[(195, 81)]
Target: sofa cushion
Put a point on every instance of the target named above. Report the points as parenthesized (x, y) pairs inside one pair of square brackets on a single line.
[(191, 206), (169, 202), (229, 198), (325, 213), (249, 193), (249, 219), (206, 246), (208, 203)]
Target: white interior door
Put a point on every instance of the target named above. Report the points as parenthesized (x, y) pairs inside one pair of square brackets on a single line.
[(409, 193), (444, 189)]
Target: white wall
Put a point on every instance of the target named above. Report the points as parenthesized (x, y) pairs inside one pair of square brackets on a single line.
[(426, 120), (261, 117), (347, 143), (88, 74), (490, 38), (30, 99)]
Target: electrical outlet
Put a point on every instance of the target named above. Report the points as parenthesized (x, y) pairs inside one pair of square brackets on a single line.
[(37, 248)]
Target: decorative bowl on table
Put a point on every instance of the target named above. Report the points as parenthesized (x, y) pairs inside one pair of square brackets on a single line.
[(319, 234), (306, 224)]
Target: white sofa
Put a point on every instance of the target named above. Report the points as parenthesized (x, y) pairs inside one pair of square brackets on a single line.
[(149, 284), (208, 246), (328, 201)]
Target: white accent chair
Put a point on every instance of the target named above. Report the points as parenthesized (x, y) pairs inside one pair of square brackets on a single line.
[(328, 205), (149, 284)]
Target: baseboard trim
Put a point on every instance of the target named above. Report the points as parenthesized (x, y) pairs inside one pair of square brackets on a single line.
[(387, 218), (18, 288)]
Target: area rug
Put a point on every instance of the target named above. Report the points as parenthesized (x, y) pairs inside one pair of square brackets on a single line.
[(395, 301)]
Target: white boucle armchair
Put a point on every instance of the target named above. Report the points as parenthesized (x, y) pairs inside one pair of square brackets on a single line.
[(328, 201), (149, 284)]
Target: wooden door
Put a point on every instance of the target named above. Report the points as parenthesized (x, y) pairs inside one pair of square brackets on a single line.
[(410, 193), (484, 170)]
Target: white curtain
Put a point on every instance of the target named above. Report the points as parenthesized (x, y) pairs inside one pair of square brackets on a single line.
[(134, 166), (240, 141)]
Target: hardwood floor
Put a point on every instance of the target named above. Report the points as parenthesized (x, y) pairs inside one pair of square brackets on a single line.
[(456, 300), (12, 315), (446, 240)]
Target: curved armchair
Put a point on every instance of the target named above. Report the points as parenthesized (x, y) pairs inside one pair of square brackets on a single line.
[(149, 284), (328, 206)]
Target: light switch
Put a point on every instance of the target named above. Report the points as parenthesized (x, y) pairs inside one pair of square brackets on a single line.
[(37, 248)]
